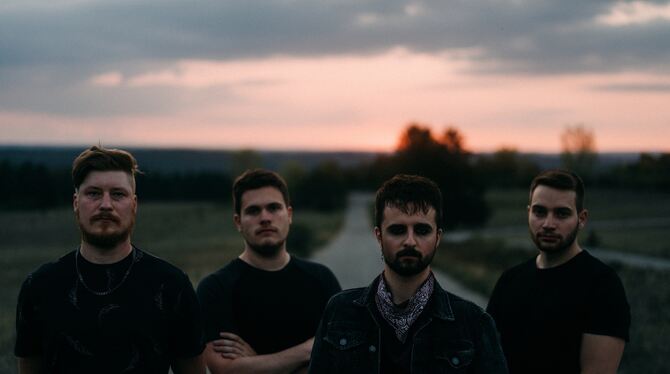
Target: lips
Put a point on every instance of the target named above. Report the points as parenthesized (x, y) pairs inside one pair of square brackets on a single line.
[(104, 217), (266, 231), (548, 237)]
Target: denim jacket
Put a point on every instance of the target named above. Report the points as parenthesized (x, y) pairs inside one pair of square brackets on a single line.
[(457, 337)]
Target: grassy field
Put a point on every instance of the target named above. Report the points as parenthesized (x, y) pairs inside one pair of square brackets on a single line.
[(197, 237), (627, 221)]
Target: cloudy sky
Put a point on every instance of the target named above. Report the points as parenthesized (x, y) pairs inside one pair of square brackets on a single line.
[(334, 74)]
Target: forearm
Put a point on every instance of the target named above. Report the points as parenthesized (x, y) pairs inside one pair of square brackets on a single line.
[(193, 365), (286, 361)]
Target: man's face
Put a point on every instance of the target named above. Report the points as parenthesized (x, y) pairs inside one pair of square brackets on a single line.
[(264, 220), (408, 242), (105, 206), (553, 219)]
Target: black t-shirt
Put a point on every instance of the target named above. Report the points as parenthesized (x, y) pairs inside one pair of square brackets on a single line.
[(542, 313), (142, 326), (270, 310)]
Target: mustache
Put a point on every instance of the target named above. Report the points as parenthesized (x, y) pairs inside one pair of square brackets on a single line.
[(409, 252), (104, 216)]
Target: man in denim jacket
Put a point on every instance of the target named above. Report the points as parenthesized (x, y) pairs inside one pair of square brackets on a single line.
[(404, 322)]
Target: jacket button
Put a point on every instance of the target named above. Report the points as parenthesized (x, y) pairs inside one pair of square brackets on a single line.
[(455, 360), (343, 341), (372, 349)]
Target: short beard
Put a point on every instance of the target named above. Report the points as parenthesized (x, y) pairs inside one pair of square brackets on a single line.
[(267, 250), (409, 269), (105, 241), (563, 246)]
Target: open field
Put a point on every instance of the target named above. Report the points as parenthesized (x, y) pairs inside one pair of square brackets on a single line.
[(626, 221), (197, 237)]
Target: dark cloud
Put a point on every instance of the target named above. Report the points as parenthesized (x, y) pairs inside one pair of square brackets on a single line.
[(542, 36), (45, 50)]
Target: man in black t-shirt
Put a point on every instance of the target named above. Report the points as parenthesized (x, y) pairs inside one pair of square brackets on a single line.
[(261, 311), (563, 311), (108, 307)]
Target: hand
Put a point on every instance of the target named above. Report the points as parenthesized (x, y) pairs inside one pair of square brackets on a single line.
[(232, 346)]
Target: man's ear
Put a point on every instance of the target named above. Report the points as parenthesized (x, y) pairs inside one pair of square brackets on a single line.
[(75, 201), (378, 234), (439, 237), (236, 220), (583, 217), (289, 210)]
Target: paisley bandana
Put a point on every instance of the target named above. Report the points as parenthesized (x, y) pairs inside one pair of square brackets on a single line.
[(402, 318)]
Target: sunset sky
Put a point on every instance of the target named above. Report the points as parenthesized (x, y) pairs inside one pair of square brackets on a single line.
[(333, 74)]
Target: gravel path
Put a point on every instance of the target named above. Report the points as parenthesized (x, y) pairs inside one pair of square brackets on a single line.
[(354, 254)]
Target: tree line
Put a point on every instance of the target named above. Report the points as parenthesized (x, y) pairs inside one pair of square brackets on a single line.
[(462, 176)]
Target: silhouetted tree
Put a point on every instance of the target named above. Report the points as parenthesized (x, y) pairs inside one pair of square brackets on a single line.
[(579, 150), (445, 161), (506, 168)]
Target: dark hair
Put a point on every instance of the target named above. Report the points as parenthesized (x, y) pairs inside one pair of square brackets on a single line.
[(411, 194), (255, 179), (560, 179), (98, 158)]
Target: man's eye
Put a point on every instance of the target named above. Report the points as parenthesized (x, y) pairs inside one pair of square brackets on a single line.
[(117, 195), (274, 207), (423, 229), (540, 212), (92, 193), (563, 213), (252, 211), (397, 229)]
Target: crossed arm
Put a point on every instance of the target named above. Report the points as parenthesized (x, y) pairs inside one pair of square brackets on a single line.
[(231, 354), (601, 354)]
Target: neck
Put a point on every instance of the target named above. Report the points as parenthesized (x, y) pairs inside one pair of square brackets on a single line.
[(546, 260), (273, 263), (403, 287), (105, 256)]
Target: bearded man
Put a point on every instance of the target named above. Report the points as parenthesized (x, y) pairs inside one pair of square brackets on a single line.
[(262, 310), (404, 322), (107, 306), (562, 311)]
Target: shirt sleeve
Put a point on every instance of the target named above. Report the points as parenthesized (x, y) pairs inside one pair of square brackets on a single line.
[(187, 340), (28, 328), (609, 312), (215, 302)]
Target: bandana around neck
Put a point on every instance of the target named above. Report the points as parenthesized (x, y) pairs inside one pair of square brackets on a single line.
[(402, 318)]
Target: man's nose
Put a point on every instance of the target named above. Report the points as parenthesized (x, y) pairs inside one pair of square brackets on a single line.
[(549, 222), (410, 239), (266, 216), (106, 201)]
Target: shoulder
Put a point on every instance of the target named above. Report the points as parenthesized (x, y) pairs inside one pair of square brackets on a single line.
[(345, 303), (310, 267), (52, 271), (598, 274), (460, 306), (314, 270), (158, 267), (224, 277), (517, 274)]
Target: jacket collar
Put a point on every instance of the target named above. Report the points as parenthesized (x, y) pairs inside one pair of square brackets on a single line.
[(440, 304)]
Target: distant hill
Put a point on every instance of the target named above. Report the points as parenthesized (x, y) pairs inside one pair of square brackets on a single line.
[(181, 160)]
